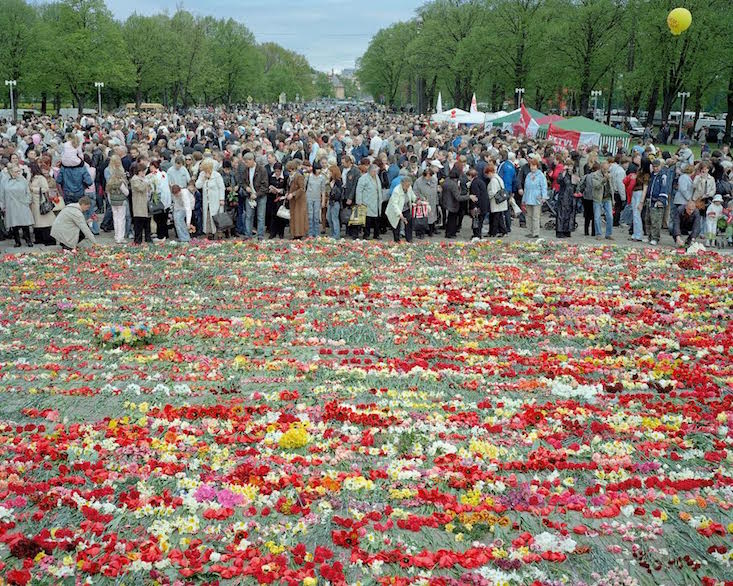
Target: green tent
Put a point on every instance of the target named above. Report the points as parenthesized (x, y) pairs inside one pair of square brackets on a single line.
[(609, 134), (513, 117)]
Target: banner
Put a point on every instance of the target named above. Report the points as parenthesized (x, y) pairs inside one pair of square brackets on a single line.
[(571, 139), (528, 124)]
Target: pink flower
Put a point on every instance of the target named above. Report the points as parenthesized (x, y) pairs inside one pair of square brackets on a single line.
[(229, 499), (205, 493)]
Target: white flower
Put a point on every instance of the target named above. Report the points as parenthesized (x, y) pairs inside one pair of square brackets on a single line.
[(546, 541), (568, 388), (5, 514)]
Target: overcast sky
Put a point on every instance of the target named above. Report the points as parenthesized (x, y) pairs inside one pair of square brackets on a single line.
[(330, 33)]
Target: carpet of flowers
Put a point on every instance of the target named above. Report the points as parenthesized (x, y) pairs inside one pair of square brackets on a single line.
[(312, 413)]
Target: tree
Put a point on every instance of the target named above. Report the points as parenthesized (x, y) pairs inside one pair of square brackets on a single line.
[(237, 63), (586, 34), (444, 45), (189, 36), (383, 65), (148, 42), (284, 71), (93, 49), (322, 85), (17, 23)]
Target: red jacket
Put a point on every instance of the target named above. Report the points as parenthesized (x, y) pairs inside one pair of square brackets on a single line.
[(630, 184)]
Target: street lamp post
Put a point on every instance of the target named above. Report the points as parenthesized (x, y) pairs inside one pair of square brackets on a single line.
[(682, 95), (11, 83), (519, 91), (99, 85), (595, 94)]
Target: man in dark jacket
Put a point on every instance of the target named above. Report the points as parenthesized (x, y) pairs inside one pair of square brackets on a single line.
[(350, 177), (479, 204), (256, 185), (686, 220)]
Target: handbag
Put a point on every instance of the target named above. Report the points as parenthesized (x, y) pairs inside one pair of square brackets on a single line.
[(501, 196), (45, 205), (358, 216), (345, 215), (419, 212), (155, 206), (223, 221), (283, 212)]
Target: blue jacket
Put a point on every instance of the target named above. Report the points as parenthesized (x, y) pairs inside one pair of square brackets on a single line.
[(535, 188), (507, 172), (73, 180), (360, 152), (392, 185), (659, 187), (393, 172)]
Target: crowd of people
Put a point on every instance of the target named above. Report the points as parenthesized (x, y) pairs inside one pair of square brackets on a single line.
[(355, 173)]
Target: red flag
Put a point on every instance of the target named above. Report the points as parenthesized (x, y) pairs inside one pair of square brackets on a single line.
[(529, 125)]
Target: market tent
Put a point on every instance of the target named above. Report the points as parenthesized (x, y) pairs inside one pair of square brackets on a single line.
[(582, 130), (493, 116), (458, 116), (514, 116), (549, 119)]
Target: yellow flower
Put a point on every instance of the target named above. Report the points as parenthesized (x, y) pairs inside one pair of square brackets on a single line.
[(295, 437), (309, 582)]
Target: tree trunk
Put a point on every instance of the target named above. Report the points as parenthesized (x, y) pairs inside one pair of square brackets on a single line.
[(539, 98), (79, 102), (667, 102), (44, 100), (697, 97), (497, 97), (430, 95), (519, 62), (651, 105), (57, 101)]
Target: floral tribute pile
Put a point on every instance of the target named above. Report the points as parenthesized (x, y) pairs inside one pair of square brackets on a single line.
[(319, 413)]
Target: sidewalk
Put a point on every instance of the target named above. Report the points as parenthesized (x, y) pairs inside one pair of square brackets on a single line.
[(620, 238)]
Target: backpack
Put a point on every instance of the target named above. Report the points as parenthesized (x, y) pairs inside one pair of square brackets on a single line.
[(114, 191)]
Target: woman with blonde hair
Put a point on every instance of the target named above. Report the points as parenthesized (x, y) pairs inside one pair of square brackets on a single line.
[(211, 184), (39, 193), (117, 192)]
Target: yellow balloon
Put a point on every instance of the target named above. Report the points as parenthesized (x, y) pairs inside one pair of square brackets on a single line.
[(679, 20)]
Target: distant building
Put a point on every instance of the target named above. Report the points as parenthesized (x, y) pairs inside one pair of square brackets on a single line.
[(339, 91)]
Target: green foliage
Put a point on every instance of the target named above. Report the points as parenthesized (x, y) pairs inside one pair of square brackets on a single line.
[(384, 64), (285, 71), (60, 49), (558, 50)]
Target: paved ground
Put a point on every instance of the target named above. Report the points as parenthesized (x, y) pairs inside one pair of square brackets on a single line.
[(620, 238)]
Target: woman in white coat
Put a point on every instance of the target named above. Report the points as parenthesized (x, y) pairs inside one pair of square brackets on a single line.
[(494, 186), (212, 191), (160, 192), (399, 209), (15, 201)]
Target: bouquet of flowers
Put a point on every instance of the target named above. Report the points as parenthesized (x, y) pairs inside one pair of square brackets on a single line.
[(115, 335)]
